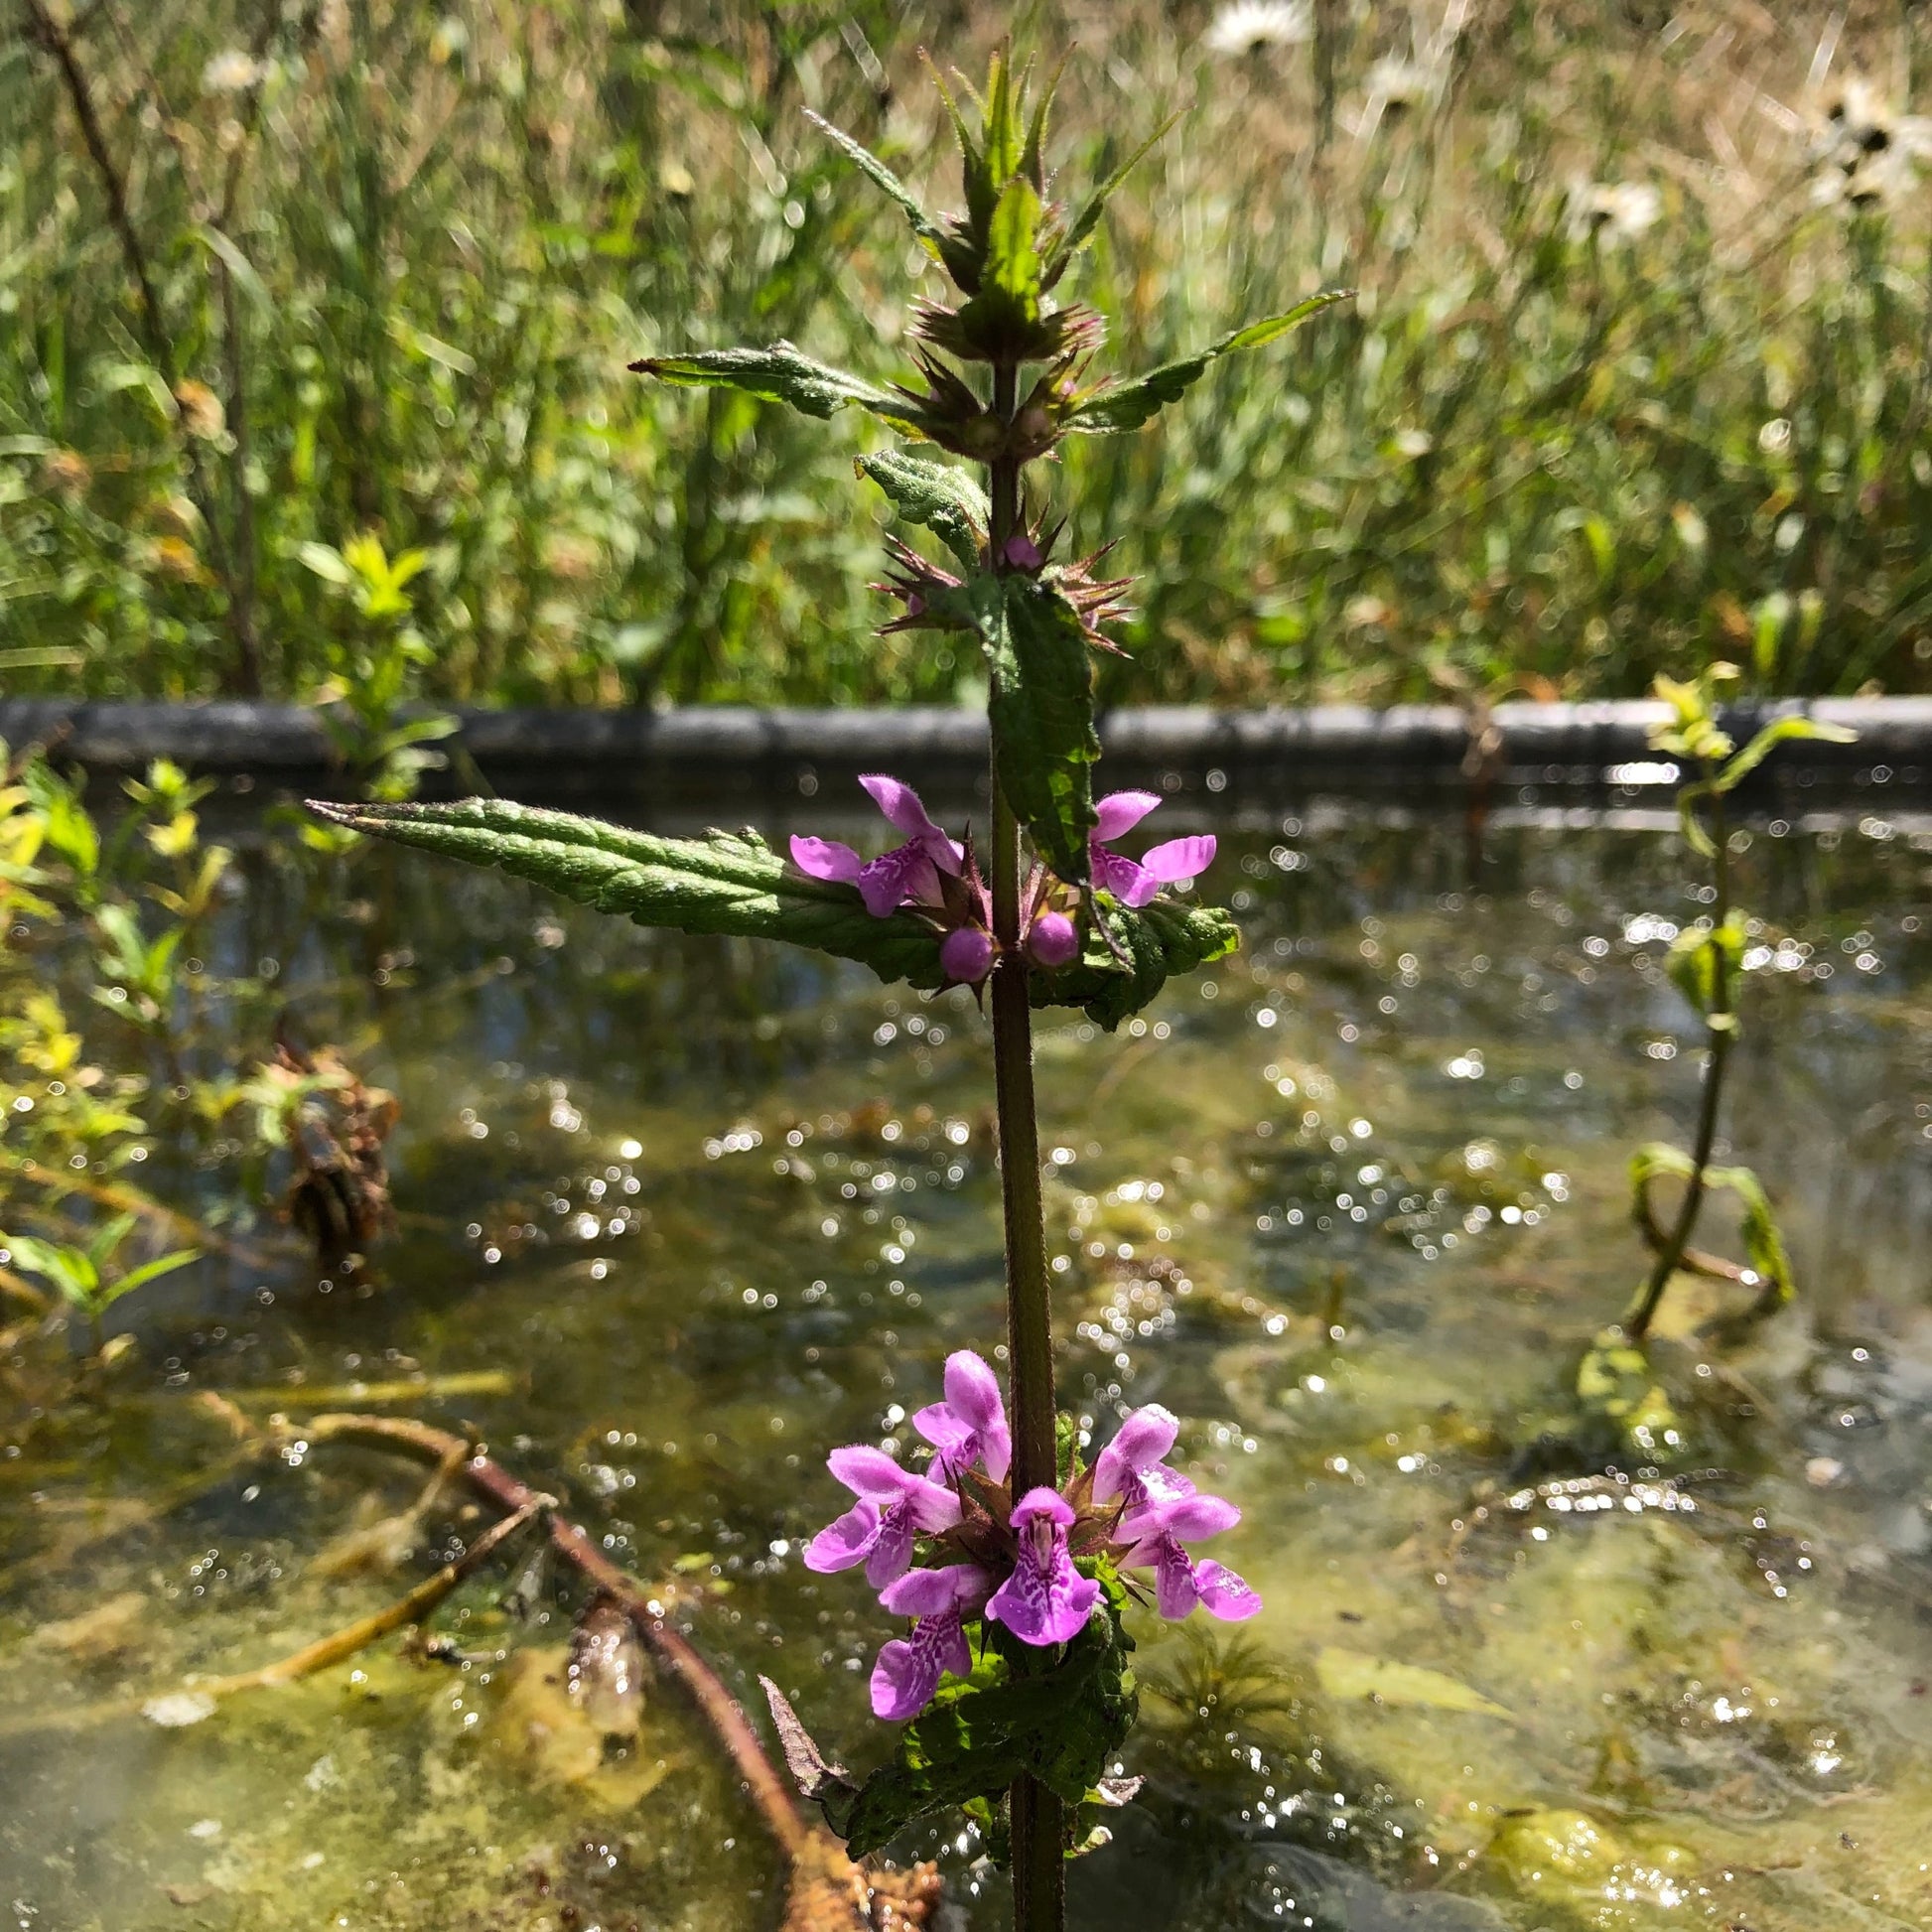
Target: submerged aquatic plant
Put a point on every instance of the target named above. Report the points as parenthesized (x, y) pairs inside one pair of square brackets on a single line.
[(88, 1278), (1707, 962), (1008, 1533)]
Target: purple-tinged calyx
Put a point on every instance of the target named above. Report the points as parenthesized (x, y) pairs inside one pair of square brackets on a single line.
[(908, 873), (923, 588), (894, 1507), (1135, 882), (909, 1668), (970, 1425), (1046, 1600)]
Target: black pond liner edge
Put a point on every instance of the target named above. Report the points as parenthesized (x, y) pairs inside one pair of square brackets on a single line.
[(1438, 754)]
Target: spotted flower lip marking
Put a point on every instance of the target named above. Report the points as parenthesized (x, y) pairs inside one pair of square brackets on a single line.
[(1135, 882), (970, 1425), (1157, 1533), (909, 1668), (909, 872), (1046, 1600)]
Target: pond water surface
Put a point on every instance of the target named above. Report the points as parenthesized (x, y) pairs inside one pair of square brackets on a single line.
[(678, 1217)]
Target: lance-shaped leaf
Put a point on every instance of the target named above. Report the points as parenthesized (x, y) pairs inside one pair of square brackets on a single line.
[(945, 500), (1127, 405), (870, 165), (783, 373), (728, 883), (1041, 711), (1778, 731), (1001, 320), (1091, 209), (1166, 938)]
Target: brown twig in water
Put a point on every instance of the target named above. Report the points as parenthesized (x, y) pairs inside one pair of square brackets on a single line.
[(409, 1609), (827, 1891)]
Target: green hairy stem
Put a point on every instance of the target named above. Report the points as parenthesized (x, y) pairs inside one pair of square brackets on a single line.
[(1719, 1035), (1039, 1866)]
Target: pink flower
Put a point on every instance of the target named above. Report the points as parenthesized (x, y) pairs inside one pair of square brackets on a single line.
[(879, 1530), (970, 1425), (1133, 1465), (1135, 882), (909, 1668), (1157, 1533), (907, 872), (1161, 1509), (1046, 1600)]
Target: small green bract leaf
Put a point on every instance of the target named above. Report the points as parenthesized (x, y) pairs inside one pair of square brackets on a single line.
[(1693, 960), (1164, 938), (999, 319), (1061, 1725), (869, 164), (1128, 405), (1092, 208), (948, 502)]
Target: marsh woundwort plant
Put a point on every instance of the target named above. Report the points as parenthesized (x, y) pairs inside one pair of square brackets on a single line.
[(1014, 1558)]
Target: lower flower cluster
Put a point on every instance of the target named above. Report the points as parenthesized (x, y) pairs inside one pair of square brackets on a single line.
[(953, 1543)]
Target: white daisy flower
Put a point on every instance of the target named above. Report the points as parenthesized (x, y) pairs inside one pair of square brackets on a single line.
[(230, 71), (1864, 151), (1249, 26), (1613, 212)]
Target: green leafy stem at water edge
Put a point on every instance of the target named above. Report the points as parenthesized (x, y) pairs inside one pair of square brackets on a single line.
[(732, 882), (1060, 1725)]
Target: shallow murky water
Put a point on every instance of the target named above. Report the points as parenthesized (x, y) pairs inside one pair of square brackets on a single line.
[(678, 1216)]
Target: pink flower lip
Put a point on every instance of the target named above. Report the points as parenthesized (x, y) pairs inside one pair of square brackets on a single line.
[(908, 873), (1135, 882)]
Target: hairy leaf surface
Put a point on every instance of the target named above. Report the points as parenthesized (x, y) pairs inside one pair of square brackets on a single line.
[(727, 883), (946, 499), (783, 373), (1061, 1725), (1042, 710)]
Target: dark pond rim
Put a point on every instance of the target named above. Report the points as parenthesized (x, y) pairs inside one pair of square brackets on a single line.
[(1515, 756)]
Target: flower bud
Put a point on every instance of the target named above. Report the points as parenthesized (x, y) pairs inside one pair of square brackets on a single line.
[(966, 955), (1051, 940), (1022, 552)]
